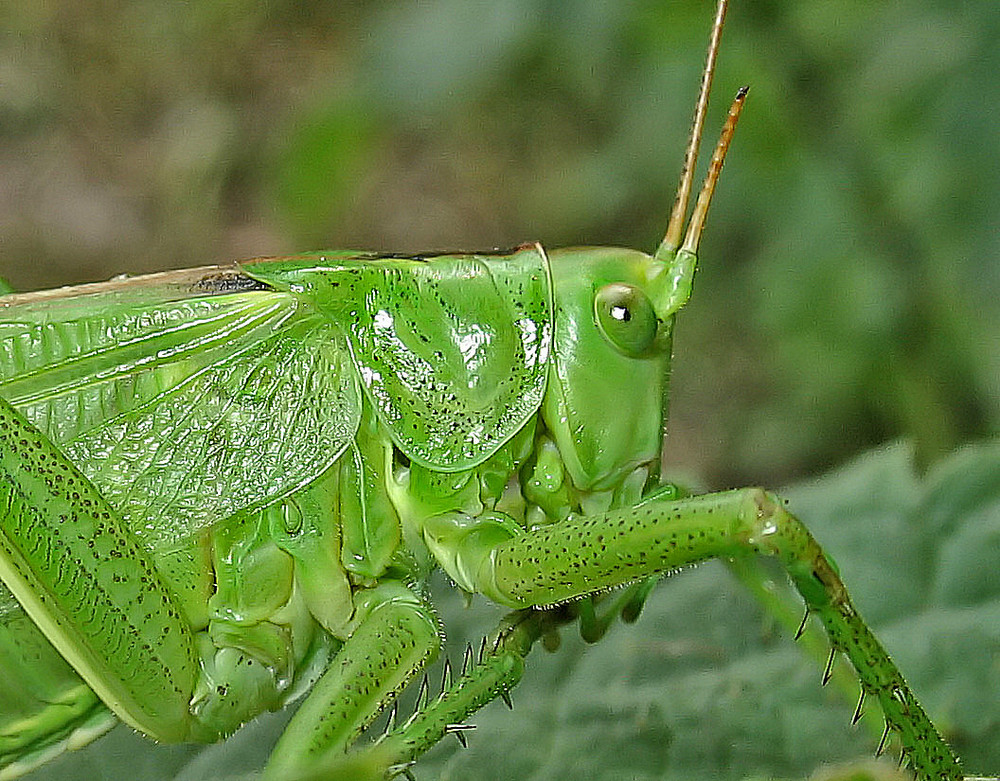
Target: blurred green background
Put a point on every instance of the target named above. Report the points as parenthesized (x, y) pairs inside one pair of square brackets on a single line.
[(849, 292)]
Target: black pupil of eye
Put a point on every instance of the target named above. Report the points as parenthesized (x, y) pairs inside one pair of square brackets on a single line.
[(621, 313)]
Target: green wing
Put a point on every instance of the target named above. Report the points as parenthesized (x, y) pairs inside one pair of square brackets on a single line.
[(182, 407), (452, 349)]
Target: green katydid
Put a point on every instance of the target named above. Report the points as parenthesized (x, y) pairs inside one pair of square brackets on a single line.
[(224, 489)]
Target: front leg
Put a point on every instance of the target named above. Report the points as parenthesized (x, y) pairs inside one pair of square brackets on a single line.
[(582, 555), (397, 635)]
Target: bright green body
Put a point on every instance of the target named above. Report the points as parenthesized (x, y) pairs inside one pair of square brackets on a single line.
[(273, 457), (264, 553), (268, 478)]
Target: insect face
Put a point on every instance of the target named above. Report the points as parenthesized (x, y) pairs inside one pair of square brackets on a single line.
[(606, 397)]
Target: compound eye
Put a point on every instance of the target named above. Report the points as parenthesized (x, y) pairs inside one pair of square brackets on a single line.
[(626, 317)]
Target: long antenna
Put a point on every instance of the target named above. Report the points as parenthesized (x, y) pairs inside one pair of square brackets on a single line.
[(675, 228), (712, 177)]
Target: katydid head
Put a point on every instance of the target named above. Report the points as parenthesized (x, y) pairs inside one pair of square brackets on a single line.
[(606, 401)]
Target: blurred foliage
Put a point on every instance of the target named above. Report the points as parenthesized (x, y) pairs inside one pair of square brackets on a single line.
[(849, 286), (705, 685)]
